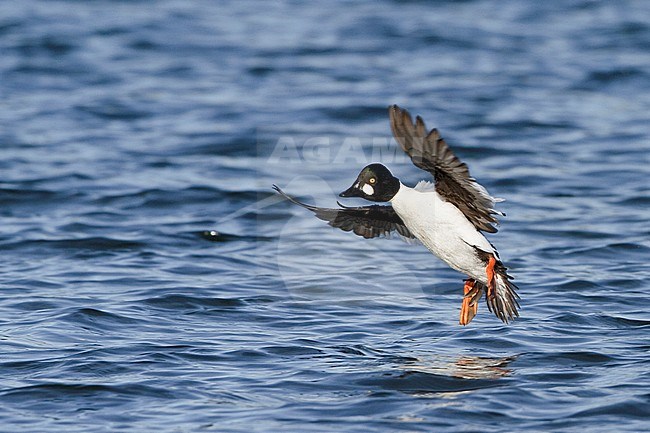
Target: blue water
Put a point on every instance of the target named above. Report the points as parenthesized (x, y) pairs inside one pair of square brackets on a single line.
[(152, 281)]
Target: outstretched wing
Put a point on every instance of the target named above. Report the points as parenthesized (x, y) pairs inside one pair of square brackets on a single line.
[(367, 221), (430, 152)]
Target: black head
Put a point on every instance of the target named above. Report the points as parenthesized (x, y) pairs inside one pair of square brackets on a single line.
[(374, 183)]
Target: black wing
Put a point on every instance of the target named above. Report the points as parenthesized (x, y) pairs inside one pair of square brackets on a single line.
[(430, 152), (367, 221)]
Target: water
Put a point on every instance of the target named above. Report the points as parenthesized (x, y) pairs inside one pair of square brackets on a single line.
[(130, 130)]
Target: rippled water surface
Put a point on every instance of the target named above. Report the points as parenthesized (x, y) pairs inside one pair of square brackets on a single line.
[(152, 280)]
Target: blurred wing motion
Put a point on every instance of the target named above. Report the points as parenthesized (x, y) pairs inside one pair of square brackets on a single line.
[(367, 221), (429, 152)]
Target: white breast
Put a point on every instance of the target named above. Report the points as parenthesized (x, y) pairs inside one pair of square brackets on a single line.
[(442, 228)]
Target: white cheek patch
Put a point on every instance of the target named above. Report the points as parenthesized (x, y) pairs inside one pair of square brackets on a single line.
[(367, 189)]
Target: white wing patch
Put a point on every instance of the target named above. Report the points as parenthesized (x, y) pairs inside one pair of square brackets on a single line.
[(481, 189), (425, 186)]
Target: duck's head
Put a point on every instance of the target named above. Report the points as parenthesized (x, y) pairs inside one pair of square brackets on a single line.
[(375, 183)]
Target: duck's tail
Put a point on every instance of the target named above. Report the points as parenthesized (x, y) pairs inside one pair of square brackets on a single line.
[(501, 294)]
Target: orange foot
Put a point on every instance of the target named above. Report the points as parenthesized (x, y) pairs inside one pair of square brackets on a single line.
[(491, 282), (467, 311)]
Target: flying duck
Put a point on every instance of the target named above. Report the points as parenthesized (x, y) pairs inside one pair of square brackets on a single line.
[(447, 216)]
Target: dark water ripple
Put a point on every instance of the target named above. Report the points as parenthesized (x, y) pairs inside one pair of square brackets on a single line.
[(151, 279)]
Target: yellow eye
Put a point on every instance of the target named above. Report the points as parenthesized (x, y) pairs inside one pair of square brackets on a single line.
[(372, 181)]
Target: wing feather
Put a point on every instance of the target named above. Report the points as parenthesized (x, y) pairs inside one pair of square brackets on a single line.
[(366, 221), (430, 152)]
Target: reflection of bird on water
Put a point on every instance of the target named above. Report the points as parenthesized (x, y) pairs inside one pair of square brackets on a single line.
[(464, 367)]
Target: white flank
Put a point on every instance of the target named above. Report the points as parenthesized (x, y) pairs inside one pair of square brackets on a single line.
[(443, 229)]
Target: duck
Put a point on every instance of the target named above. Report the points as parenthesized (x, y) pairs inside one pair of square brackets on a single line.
[(449, 216)]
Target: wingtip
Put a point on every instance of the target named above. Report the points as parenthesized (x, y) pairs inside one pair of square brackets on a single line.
[(396, 110), (284, 194)]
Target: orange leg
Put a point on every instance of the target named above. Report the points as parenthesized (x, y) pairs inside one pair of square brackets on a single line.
[(467, 311), (491, 282)]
